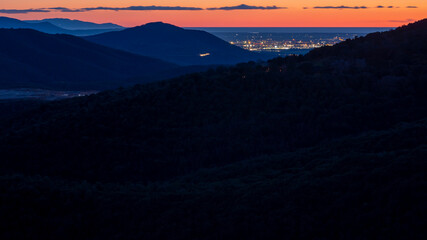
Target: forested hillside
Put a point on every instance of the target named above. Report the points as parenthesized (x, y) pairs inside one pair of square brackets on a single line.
[(371, 186), (331, 145)]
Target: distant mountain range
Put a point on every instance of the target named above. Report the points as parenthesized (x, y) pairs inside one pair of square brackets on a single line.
[(158, 40), (177, 45), (69, 24), (58, 25), (29, 58)]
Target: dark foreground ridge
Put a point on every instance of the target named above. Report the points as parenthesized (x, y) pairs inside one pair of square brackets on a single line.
[(331, 145), (174, 44)]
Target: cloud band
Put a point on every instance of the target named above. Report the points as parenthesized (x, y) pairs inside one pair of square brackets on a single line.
[(138, 8)]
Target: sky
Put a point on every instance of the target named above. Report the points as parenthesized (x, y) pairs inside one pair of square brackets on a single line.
[(225, 13)]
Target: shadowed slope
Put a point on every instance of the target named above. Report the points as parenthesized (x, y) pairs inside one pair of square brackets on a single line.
[(221, 116), (33, 59), (369, 186), (174, 44), (325, 147)]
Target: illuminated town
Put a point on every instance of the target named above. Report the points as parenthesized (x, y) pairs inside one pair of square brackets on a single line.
[(284, 43)]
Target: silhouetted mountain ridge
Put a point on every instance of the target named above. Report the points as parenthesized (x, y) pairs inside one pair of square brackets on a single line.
[(70, 24), (381, 48), (48, 26), (34, 59), (174, 44)]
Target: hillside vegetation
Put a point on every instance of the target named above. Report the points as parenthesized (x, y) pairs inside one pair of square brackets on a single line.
[(331, 145)]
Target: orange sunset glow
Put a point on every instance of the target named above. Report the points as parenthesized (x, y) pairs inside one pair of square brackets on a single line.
[(278, 13)]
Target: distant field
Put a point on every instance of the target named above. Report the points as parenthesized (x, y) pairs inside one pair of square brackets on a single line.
[(40, 94)]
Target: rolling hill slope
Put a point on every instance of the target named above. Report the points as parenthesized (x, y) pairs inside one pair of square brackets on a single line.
[(324, 146), (369, 186), (225, 115), (33, 59), (174, 44)]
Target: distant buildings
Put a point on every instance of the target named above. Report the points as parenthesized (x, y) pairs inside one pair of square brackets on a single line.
[(270, 42)]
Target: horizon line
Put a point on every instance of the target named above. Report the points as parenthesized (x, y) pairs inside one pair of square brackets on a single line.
[(397, 24)]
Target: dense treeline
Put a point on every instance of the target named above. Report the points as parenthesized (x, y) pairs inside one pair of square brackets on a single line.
[(367, 187), (10, 108), (328, 145)]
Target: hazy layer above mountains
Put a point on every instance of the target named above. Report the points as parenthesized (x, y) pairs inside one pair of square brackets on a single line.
[(77, 24), (63, 26)]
